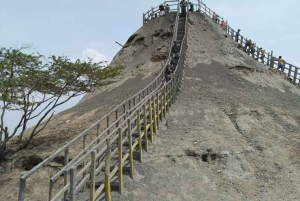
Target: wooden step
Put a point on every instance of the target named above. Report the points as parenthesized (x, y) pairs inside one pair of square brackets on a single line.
[(143, 142), (137, 134), (99, 180), (135, 154), (126, 167)]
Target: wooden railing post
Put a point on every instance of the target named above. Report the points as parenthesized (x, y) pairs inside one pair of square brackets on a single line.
[(84, 161), (120, 161), (130, 148), (107, 171), (167, 97), (164, 101), (290, 70), (268, 60), (51, 186), (107, 124), (117, 117), (150, 119), (170, 95), (154, 115), (173, 91), (66, 161), (242, 40), (157, 109), (92, 180), (152, 14), (129, 105), (232, 34), (98, 141), (161, 105), (143, 18), (145, 128), (295, 75), (22, 187), (73, 183), (140, 134), (272, 60), (226, 27)]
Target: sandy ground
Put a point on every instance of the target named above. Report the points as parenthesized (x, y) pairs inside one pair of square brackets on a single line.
[(143, 55), (232, 134)]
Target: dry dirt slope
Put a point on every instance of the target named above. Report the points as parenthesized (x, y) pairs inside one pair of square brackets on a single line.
[(144, 54), (232, 134)]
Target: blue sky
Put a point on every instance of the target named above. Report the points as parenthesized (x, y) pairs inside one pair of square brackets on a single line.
[(78, 28)]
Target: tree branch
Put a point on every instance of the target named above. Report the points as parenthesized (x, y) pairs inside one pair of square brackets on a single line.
[(2, 120), (39, 104), (24, 145)]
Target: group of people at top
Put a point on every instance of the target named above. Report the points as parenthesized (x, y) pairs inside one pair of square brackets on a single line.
[(165, 9), (249, 45), (184, 4), (250, 49), (216, 19), (170, 68)]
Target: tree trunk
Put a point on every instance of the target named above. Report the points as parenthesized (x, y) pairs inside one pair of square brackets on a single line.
[(1, 135), (4, 141)]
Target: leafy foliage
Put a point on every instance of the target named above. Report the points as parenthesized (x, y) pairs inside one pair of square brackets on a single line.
[(35, 85)]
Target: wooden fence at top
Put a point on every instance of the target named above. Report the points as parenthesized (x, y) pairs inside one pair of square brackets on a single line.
[(268, 58), (152, 102), (155, 12)]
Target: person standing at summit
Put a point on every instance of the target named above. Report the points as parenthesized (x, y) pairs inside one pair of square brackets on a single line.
[(281, 63), (191, 7), (183, 5), (237, 35), (161, 10), (167, 9), (262, 55)]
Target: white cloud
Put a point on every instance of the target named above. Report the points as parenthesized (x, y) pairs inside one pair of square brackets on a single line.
[(94, 54)]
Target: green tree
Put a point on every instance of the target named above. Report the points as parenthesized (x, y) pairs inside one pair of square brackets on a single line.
[(36, 85)]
